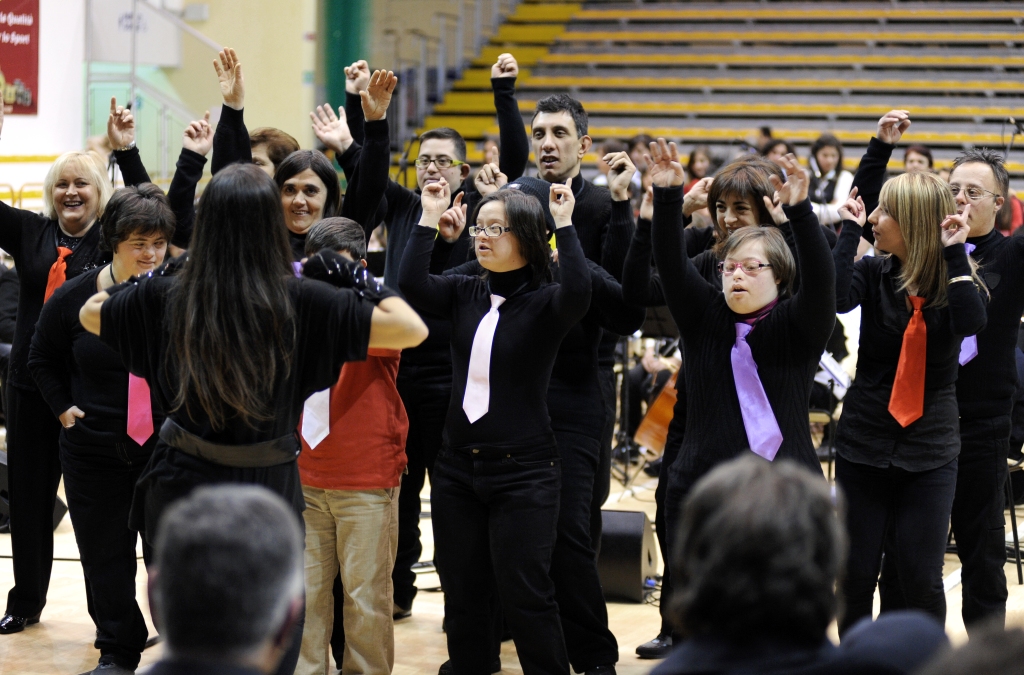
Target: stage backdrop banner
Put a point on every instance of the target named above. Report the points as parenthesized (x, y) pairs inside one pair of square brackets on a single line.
[(111, 23), (19, 55)]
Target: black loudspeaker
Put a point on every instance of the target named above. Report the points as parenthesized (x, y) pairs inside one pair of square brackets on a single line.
[(59, 508), (629, 555)]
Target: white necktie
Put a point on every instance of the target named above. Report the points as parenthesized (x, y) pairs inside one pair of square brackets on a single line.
[(478, 384), (316, 417)]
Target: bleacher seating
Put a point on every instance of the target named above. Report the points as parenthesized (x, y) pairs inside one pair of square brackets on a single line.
[(715, 72)]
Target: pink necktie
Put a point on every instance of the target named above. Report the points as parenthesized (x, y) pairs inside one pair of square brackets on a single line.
[(478, 385), (969, 345), (140, 410), (763, 433)]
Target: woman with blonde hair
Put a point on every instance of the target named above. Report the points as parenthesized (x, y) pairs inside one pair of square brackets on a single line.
[(49, 249), (898, 440)]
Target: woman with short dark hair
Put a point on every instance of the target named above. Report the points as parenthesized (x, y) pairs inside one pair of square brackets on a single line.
[(108, 419)]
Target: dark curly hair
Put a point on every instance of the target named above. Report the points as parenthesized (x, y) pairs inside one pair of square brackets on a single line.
[(141, 209), (525, 216), (759, 549)]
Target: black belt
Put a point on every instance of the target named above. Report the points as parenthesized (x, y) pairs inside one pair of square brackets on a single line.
[(268, 453)]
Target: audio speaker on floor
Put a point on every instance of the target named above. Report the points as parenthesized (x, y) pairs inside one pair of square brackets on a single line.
[(59, 508), (629, 555)]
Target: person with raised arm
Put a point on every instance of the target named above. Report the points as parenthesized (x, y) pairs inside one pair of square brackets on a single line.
[(496, 482), (108, 419), (750, 325), (50, 248), (233, 384), (425, 374), (897, 441)]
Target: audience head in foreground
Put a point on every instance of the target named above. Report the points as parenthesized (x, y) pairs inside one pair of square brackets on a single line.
[(992, 651), (228, 583)]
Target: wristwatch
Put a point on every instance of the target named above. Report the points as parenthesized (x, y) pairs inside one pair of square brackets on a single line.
[(127, 147)]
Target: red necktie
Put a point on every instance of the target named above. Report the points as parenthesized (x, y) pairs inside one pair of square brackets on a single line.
[(906, 403), (140, 410), (56, 277)]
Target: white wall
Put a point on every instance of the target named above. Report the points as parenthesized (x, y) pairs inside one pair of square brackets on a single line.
[(58, 125)]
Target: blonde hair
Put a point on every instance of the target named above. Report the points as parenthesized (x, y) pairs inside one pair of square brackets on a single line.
[(91, 165), (783, 266), (919, 202)]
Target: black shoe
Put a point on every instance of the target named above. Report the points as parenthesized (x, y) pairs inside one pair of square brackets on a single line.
[(602, 670), (658, 648), (653, 469), (15, 624), (399, 612), (109, 668), (153, 641), (446, 668)]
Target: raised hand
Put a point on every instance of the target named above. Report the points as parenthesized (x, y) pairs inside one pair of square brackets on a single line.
[(663, 164), (794, 190), (620, 174), (229, 74), (198, 136), (120, 126), (505, 66), (647, 204), (489, 179), (854, 209), (561, 202), (331, 129), (955, 228), (69, 416), (357, 77), (377, 96), (435, 199), (453, 221), (893, 125), (697, 198)]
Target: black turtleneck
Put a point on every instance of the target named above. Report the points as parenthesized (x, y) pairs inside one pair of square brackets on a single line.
[(533, 321), (297, 242)]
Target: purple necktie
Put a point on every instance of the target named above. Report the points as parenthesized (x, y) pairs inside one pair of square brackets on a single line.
[(297, 268), (969, 345), (763, 433)]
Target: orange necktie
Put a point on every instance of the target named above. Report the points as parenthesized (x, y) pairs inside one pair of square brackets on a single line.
[(56, 277), (906, 403)]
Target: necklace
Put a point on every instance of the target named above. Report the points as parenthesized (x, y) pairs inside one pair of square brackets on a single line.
[(112, 278)]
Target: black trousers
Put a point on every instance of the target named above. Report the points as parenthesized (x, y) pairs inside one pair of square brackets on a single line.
[(426, 403), (603, 477), (33, 470), (665, 534), (495, 521), (99, 491), (917, 505), (978, 525), (581, 603)]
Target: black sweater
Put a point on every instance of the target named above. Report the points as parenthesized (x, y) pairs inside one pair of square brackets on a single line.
[(533, 321), (73, 367), (786, 344), (9, 286), (32, 240), (872, 283)]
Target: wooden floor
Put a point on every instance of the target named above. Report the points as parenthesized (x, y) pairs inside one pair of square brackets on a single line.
[(62, 643)]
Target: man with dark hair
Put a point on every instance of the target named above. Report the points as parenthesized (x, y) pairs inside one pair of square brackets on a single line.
[(984, 389), (604, 223), (760, 547), (425, 375), (227, 585)]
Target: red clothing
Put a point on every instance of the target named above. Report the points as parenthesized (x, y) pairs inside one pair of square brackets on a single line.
[(365, 449)]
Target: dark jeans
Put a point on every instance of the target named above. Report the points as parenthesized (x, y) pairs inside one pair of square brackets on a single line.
[(99, 491), (578, 592), (33, 466), (918, 505), (978, 524), (603, 477), (426, 404), (495, 520)]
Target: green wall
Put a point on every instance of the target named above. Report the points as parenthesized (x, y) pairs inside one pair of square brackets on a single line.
[(345, 30)]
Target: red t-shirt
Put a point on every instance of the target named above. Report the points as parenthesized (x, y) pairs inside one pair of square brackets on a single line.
[(365, 449)]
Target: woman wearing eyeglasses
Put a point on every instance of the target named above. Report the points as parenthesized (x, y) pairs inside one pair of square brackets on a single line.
[(898, 439), (751, 345), (496, 481)]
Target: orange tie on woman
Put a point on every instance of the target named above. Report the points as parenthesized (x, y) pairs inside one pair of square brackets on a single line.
[(56, 277), (906, 403)]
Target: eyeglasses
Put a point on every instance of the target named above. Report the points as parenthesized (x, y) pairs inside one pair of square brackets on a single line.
[(973, 194), (750, 267), (490, 230), (439, 162)]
